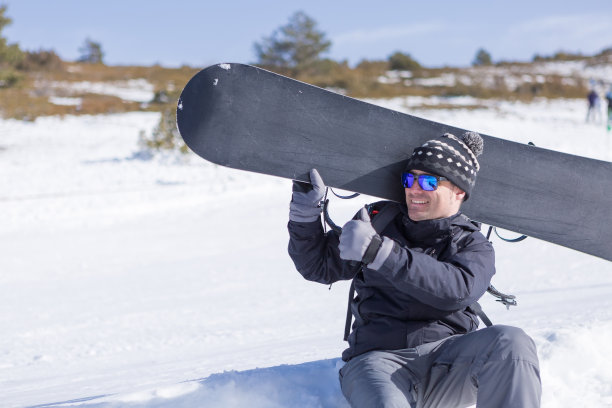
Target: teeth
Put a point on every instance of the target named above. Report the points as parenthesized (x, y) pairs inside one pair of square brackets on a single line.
[(418, 202)]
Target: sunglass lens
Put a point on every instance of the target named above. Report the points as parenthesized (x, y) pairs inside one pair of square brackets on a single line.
[(407, 180), (427, 182)]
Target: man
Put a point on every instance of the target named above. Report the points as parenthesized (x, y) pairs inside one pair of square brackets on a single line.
[(593, 110), (414, 341), (609, 101)]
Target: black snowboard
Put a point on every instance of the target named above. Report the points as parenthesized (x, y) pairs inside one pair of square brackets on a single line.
[(247, 118)]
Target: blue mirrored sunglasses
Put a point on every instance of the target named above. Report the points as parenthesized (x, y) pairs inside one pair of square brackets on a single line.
[(428, 182)]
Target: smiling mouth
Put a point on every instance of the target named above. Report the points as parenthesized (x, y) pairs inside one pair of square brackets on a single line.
[(418, 202)]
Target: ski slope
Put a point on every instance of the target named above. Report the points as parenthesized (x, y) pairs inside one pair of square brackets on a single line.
[(137, 280)]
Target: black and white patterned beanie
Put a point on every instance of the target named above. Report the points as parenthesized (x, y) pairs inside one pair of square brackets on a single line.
[(451, 157)]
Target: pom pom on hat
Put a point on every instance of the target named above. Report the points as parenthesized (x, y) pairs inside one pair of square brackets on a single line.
[(474, 141)]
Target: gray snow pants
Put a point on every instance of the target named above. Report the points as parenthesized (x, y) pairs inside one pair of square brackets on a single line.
[(496, 367)]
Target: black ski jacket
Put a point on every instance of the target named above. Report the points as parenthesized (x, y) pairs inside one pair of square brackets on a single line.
[(423, 291)]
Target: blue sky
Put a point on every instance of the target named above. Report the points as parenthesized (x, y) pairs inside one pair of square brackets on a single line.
[(200, 33)]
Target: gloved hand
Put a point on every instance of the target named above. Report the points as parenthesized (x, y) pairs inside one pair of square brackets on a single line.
[(360, 242), (305, 203), (356, 237)]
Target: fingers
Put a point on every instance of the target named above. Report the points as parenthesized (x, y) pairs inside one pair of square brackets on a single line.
[(316, 180), (363, 215), (301, 187), (356, 237)]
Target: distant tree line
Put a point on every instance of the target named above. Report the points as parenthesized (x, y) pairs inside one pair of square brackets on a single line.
[(14, 61), (299, 46)]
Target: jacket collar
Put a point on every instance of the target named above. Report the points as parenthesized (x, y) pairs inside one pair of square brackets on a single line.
[(432, 232)]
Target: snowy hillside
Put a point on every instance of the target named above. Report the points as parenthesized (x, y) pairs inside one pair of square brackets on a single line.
[(549, 78), (131, 280)]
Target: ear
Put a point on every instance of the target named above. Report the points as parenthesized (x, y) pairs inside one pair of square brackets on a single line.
[(459, 194)]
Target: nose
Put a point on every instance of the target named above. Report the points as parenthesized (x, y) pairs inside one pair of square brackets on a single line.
[(415, 189)]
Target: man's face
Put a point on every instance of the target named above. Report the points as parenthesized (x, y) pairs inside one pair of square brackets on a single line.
[(430, 205)]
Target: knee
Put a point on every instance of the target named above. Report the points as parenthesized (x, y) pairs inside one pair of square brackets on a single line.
[(513, 343)]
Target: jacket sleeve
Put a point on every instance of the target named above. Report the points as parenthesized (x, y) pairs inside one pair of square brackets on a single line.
[(453, 284), (316, 255)]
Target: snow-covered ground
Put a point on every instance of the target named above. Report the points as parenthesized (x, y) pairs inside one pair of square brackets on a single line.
[(589, 73), (136, 281), (136, 90)]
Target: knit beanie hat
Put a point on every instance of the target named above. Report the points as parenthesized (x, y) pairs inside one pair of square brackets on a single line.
[(451, 157)]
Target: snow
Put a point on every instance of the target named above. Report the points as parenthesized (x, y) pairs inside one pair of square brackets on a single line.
[(136, 90), (394, 76), (67, 101), (599, 72), (443, 80), (138, 280)]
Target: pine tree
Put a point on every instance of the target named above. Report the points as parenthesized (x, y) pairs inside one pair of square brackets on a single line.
[(296, 46), (482, 58), (10, 55), (91, 52), (403, 62)]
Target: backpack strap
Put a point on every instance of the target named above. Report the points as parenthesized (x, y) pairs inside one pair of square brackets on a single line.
[(349, 314), (477, 309), (474, 307), (380, 219)]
